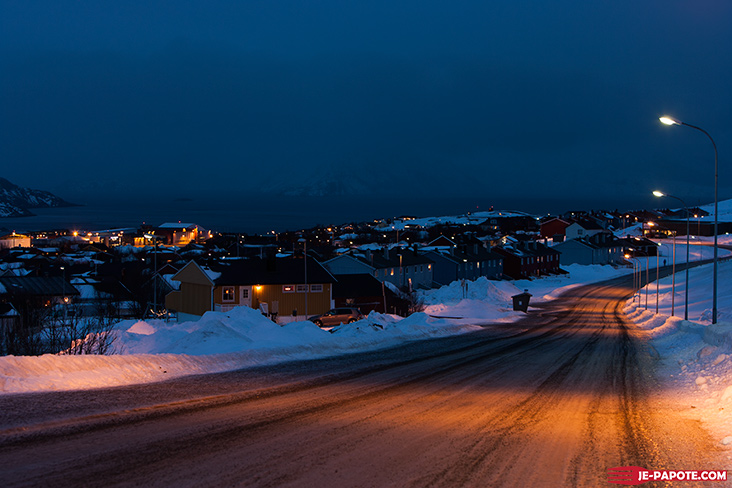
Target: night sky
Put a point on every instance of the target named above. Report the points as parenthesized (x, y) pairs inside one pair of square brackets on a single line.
[(540, 100)]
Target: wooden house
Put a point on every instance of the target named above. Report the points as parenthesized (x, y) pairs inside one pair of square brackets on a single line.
[(286, 288)]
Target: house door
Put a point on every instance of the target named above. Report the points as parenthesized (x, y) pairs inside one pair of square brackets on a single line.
[(246, 296)]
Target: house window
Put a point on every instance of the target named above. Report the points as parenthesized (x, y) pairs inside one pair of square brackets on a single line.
[(392, 271), (302, 288), (227, 294), (288, 288), (245, 293), (429, 266), (316, 288), (376, 274)]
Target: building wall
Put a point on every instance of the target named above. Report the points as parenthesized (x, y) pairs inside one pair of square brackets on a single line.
[(553, 227), (11, 241), (575, 231), (420, 275), (445, 269), (317, 302), (574, 252), (195, 299)]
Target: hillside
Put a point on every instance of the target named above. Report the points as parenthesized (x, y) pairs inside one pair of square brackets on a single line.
[(16, 201)]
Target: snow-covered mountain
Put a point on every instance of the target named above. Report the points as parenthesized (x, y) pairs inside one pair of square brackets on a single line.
[(15, 201), (324, 185)]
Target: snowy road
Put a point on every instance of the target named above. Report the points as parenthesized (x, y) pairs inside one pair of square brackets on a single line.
[(554, 401)]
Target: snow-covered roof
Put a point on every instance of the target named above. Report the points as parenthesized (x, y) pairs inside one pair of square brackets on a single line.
[(176, 225)]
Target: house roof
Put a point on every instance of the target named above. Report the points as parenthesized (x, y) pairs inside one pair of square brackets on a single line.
[(588, 224), (269, 272), (177, 225), (355, 285), (37, 285), (442, 241)]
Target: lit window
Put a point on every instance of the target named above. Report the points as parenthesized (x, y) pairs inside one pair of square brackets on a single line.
[(288, 288), (392, 271), (228, 294)]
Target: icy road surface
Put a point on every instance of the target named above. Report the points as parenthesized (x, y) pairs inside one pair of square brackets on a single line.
[(551, 401)]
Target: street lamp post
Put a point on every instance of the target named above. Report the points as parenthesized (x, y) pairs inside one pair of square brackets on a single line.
[(636, 276), (657, 275), (307, 287), (671, 121), (686, 279), (155, 272), (648, 259), (673, 279)]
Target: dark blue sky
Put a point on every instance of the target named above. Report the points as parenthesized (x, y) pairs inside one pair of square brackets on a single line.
[(554, 99)]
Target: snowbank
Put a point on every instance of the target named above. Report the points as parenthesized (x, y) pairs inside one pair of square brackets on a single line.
[(695, 357), (156, 350)]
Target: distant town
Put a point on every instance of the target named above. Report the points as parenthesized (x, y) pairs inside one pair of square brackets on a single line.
[(179, 270)]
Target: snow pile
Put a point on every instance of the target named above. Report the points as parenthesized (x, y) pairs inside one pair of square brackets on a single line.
[(480, 299), (156, 350)]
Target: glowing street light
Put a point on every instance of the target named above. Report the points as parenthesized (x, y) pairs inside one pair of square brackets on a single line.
[(672, 121), (668, 121), (686, 209)]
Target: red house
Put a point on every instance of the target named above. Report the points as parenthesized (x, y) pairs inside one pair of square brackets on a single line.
[(553, 227)]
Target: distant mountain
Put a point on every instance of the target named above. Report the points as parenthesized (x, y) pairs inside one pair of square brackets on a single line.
[(15, 201), (324, 185)]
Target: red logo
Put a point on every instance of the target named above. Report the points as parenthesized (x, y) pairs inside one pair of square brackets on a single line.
[(635, 475)]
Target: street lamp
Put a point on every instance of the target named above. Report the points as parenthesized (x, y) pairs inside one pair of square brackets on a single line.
[(671, 121), (686, 209)]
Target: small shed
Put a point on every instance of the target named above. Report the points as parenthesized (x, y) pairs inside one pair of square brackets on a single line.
[(521, 301)]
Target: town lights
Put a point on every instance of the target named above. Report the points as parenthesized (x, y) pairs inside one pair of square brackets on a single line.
[(672, 121)]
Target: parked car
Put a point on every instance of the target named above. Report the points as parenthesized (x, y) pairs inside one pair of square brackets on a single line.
[(336, 316)]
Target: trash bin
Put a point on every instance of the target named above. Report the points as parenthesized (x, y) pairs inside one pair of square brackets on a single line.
[(521, 301)]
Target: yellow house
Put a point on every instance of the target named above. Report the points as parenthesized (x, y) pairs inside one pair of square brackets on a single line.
[(286, 289), (12, 240)]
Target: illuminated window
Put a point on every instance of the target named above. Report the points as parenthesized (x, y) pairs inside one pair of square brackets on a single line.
[(288, 288), (228, 294)]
